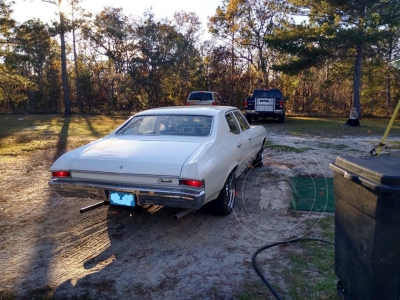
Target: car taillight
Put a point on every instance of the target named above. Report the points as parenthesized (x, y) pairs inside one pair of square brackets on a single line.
[(187, 103), (281, 103), (60, 174), (191, 182), (214, 103), (245, 103)]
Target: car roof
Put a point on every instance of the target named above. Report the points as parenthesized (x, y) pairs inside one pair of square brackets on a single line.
[(187, 110), (204, 92)]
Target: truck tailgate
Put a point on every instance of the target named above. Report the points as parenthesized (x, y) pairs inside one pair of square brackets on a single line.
[(265, 104)]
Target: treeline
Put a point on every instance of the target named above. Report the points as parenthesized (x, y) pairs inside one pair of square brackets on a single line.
[(114, 63)]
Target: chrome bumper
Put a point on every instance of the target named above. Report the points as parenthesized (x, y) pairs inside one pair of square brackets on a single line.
[(164, 196), (257, 112)]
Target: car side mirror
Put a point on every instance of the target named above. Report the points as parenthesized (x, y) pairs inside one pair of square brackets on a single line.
[(286, 98)]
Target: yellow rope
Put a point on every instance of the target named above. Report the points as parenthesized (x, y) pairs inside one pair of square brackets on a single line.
[(388, 128)]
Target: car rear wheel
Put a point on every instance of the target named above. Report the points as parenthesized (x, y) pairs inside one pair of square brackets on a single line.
[(281, 119), (225, 201)]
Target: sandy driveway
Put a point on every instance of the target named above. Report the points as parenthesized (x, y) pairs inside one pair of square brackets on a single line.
[(48, 248)]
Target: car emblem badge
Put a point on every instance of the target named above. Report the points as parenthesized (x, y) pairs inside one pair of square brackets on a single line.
[(161, 180)]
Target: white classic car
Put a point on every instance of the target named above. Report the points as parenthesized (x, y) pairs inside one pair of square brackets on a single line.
[(180, 157)]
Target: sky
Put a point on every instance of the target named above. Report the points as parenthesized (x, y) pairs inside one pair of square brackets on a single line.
[(29, 9)]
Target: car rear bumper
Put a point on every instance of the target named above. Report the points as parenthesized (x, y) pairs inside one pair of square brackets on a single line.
[(254, 113), (164, 196)]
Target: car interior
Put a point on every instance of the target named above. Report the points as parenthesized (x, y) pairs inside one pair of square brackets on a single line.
[(169, 125)]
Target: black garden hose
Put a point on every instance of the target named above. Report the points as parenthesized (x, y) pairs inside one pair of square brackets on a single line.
[(253, 259)]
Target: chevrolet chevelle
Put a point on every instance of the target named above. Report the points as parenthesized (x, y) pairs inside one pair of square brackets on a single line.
[(182, 157)]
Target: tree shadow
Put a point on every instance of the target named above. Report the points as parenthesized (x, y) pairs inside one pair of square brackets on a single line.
[(36, 230), (91, 128), (62, 143)]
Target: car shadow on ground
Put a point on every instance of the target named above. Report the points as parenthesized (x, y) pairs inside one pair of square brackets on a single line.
[(149, 254)]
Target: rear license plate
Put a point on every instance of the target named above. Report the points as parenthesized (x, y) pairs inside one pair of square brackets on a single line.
[(121, 198)]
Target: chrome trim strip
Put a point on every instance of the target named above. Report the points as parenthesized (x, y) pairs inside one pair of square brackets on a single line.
[(106, 173)]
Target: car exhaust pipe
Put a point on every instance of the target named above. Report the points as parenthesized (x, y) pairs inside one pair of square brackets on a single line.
[(182, 213), (93, 206)]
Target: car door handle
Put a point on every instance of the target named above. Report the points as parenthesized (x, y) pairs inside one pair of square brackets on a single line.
[(250, 138), (239, 145)]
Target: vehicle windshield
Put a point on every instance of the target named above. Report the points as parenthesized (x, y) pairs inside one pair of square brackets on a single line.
[(200, 96), (187, 125)]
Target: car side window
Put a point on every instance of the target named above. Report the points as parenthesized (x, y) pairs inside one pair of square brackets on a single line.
[(242, 121), (232, 123)]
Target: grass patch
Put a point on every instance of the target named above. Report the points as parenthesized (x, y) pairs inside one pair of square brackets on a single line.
[(284, 148), (252, 290), (301, 270), (22, 134), (311, 271), (330, 127), (332, 146)]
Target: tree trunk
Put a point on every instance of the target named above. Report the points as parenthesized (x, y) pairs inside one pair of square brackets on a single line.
[(389, 93), (358, 61), (78, 91), (263, 67), (67, 105), (388, 79), (357, 79), (232, 100), (12, 105)]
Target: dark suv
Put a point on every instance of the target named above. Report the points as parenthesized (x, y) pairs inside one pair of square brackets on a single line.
[(264, 103)]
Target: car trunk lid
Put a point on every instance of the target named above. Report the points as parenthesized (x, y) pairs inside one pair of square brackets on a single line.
[(132, 156)]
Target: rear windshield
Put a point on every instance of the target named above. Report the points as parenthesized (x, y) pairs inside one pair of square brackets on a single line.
[(200, 96), (267, 94), (187, 125)]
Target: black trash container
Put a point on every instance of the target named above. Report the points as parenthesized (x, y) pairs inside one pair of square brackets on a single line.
[(367, 226)]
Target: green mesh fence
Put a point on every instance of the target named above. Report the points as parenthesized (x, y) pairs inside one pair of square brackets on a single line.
[(312, 194)]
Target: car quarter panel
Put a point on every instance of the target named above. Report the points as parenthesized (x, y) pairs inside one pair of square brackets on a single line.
[(216, 159), (64, 161)]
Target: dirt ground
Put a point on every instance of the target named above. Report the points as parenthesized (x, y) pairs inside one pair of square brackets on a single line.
[(47, 248)]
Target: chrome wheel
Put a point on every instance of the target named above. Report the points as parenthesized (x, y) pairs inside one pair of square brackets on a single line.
[(225, 201), (230, 188)]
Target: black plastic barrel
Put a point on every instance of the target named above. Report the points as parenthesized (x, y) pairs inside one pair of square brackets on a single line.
[(367, 226)]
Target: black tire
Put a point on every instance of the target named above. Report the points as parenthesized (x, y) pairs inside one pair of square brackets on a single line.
[(249, 118), (281, 119), (258, 160), (225, 201)]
